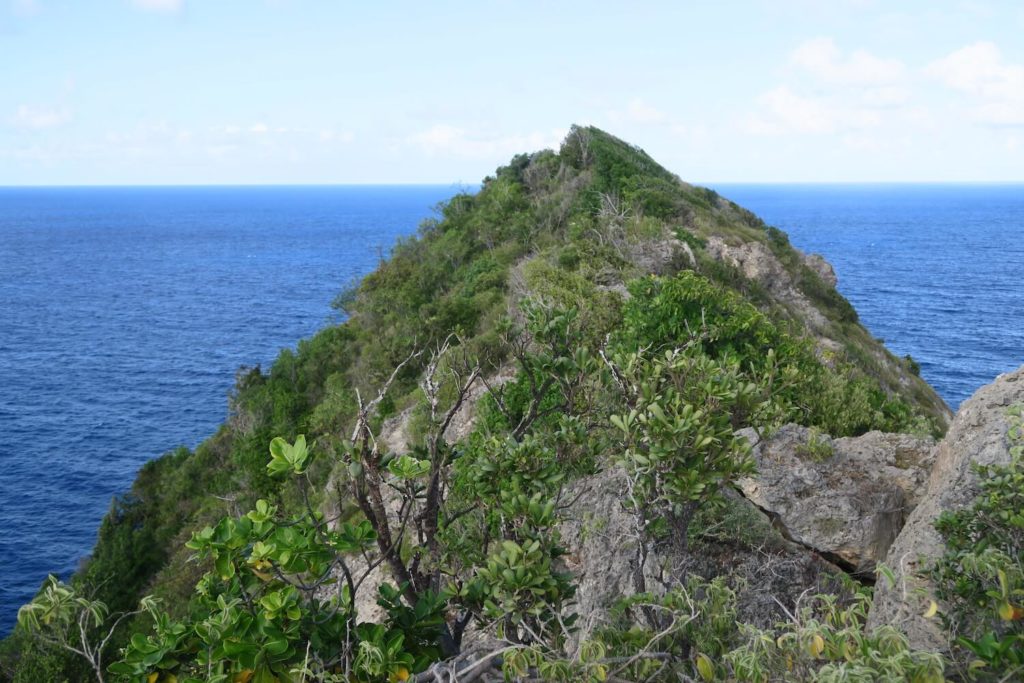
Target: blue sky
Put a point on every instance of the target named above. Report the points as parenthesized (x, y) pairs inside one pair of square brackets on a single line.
[(293, 91)]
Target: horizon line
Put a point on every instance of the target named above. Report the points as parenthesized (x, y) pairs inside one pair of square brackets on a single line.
[(456, 184)]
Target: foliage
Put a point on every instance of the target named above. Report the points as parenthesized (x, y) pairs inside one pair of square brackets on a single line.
[(679, 445), (519, 281), (839, 400), (64, 618), (695, 624), (981, 576), (828, 642), (275, 603)]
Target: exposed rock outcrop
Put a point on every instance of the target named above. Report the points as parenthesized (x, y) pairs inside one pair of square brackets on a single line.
[(758, 264), (978, 435), (395, 434), (845, 498), (823, 269), (600, 537)]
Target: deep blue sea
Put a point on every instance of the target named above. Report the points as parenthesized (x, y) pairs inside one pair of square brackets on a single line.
[(126, 311)]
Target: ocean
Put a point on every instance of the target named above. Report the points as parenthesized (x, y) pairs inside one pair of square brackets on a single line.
[(126, 312)]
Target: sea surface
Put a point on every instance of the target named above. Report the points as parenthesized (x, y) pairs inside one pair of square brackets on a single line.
[(125, 312)]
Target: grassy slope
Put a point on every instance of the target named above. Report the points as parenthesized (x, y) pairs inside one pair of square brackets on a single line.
[(573, 227)]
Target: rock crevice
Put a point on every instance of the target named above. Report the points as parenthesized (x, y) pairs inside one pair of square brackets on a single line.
[(978, 435)]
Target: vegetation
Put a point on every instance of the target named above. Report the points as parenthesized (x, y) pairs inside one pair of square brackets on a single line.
[(561, 301), (981, 577), (817, 448)]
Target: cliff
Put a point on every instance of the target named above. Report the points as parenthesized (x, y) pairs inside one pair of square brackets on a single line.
[(547, 383), (984, 434)]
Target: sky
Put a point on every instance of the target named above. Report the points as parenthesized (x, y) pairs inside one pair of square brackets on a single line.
[(304, 91)]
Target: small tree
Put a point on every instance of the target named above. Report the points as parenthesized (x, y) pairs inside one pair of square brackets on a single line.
[(62, 617), (679, 446)]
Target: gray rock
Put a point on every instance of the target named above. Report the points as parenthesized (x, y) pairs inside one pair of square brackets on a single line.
[(978, 435), (395, 434), (821, 267), (758, 264), (600, 537), (845, 498)]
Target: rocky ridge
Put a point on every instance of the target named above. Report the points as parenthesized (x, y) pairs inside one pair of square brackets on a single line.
[(821, 505), (978, 435)]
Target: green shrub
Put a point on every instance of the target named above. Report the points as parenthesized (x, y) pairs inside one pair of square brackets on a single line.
[(981, 576), (817, 448), (828, 642), (667, 312)]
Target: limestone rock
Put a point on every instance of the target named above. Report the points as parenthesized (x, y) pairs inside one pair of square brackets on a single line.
[(758, 264), (845, 498), (978, 435), (821, 267), (394, 434), (599, 535)]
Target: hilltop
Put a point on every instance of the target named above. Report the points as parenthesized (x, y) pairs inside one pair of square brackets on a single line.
[(534, 443)]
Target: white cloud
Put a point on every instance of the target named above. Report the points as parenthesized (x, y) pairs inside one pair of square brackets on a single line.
[(784, 111), (980, 71), (834, 92), (266, 132), (639, 111), (330, 135), (37, 118), (447, 140), (25, 7), (885, 96), (822, 58), (159, 5), (693, 135)]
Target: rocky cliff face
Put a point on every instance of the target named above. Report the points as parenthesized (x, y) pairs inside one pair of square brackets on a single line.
[(844, 498), (817, 507), (978, 435), (602, 541), (821, 505)]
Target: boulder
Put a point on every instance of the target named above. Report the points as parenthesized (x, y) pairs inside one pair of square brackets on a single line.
[(600, 538), (978, 435), (844, 498)]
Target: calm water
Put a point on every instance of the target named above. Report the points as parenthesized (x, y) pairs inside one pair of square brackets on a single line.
[(127, 311), (125, 315)]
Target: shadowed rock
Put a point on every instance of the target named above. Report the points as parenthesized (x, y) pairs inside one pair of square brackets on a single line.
[(845, 498), (978, 435)]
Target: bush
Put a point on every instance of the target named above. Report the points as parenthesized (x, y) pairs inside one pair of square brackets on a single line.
[(842, 401), (981, 575)]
